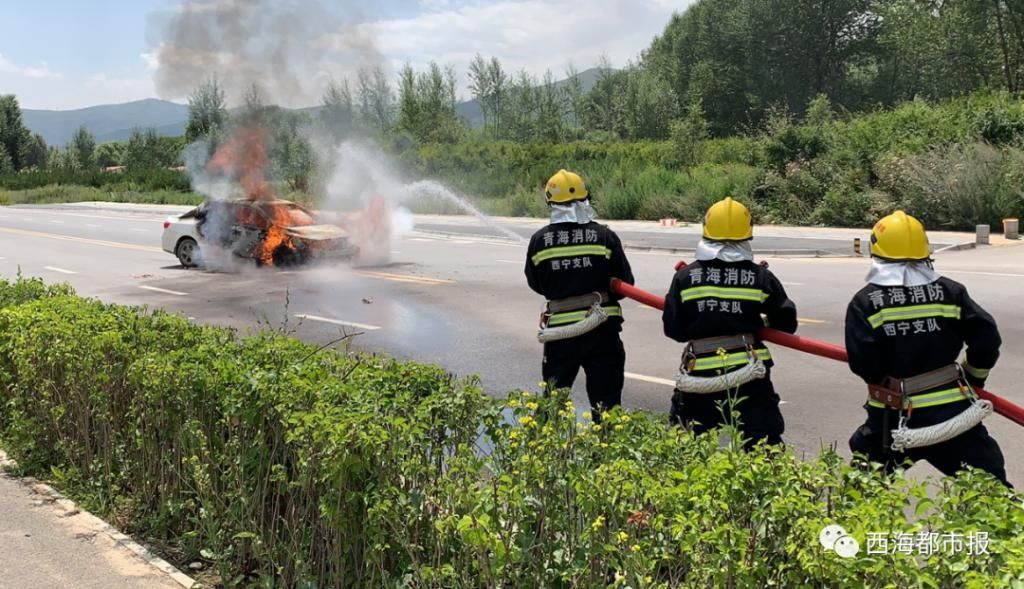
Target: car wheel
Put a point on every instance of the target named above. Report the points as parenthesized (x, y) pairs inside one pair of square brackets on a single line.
[(187, 252)]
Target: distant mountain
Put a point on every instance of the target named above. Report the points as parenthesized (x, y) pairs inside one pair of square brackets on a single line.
[(109, 122), (114, 122)]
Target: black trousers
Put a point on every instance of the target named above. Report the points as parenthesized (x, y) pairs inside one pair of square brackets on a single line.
[(975, 447), (602, 357), (756, 402)]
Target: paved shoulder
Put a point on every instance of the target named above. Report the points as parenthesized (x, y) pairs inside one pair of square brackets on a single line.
[(44, 545)]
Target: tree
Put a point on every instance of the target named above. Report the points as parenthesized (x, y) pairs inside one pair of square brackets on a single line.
[(376, 100), (6, 164), (427, 104), (109, 154), (338, 112), (15, 138), (37, 153), (83, 149), (688, 136), (207, 112), (574, 97)]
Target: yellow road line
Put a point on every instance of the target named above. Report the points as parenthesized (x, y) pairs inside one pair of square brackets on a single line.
[(127, 246), (811, 321), (403, 277)]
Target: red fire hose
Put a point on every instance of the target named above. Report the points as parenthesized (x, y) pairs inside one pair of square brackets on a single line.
[(1004, 407)]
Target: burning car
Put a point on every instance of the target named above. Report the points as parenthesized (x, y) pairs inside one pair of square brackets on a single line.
[(272, 232)]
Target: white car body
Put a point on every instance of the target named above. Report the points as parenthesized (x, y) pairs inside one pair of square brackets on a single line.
[(182, 236), (177, 234)]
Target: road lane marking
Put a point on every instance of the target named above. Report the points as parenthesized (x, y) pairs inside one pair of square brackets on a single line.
[(93, 225), (403, 277), (163, 290), (983, 273), (61, 270), (338, 322), (139, 230), (811, 321), (128, 246), (651, 379), (509, 261), (792, 284), (56, 221)]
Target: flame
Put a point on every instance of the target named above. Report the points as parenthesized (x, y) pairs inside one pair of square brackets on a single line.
[(244, 157)]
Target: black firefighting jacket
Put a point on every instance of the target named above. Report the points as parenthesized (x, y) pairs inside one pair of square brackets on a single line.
[(715, 298), (570, 259), (903, 331)]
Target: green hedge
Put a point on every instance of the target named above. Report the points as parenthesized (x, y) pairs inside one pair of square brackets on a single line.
[(281, 465)]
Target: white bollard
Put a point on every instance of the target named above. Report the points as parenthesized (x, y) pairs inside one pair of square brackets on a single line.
[(981, 234), (1011, 228)]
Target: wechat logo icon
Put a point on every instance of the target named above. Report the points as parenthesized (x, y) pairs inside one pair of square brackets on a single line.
[(835, 538)]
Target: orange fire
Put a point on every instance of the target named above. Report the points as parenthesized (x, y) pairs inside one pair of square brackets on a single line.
[(244, 157)]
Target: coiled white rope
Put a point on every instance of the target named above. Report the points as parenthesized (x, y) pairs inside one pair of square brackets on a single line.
[(596, 317), (904, 437), (715, 384)]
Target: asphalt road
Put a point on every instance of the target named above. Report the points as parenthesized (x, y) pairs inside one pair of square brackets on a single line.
[(681, 237), (463, 303)]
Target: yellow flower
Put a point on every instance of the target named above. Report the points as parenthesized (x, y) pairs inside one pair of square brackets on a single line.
[(598, 523), (605, 415), (618, 427), (525, 458), (596, 427), (526, 394), (648, 579), (622, 536), (604, 445), (586, 415), (513, 434), (569, 406), (527, 421), (512, 403), (635, 548), (532, 406), (625, 417)]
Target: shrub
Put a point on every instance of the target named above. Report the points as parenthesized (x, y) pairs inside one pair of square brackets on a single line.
[(280, 464), (958, 186)]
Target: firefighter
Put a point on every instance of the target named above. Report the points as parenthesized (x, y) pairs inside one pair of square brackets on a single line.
[(571, 262), (716, 305), (904, 332)]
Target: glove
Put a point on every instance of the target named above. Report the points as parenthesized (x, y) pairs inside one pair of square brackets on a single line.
[(974, 376)]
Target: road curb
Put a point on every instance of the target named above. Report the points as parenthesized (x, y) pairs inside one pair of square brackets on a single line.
[(802, 253), (956, 247), (97, 524)]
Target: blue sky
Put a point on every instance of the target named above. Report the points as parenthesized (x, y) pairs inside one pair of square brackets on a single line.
[(64, 54)]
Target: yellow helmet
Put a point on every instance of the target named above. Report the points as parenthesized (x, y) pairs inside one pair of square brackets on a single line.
[(728, 220), (899, 237), (565, 186)]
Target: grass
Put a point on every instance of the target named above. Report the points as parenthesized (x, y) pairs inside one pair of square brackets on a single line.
[(56, 194)]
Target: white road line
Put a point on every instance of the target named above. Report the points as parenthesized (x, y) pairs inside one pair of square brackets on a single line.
[(163, 290), (983, 273), (509, 261), (460, 241), (56, 221), (420, 239), (93, 225), (338, 322), (651, 379), (61, 270), (792, 284), (139, 230)]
